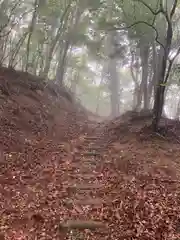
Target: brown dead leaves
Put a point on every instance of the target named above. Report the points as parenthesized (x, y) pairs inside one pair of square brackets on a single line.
[(140, 197), (139, 179)]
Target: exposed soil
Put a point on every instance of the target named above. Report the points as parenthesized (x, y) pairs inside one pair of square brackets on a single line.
[(59, 170)]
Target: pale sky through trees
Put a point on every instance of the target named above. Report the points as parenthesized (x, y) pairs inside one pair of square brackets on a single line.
[(75, 41)]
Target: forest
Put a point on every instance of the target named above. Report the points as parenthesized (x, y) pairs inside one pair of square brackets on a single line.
[(89, 119), (121, 54)]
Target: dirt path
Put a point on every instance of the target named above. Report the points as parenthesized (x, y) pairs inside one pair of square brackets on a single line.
[(87, 189), (50, 189), (128, 190), (84, 189)]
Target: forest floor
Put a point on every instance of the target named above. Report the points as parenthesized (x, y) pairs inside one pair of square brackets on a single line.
[(65, 177)]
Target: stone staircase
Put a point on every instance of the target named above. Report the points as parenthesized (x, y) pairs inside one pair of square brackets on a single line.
[(86, 186)]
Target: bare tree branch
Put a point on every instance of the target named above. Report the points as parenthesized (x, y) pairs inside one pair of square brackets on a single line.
[(154, 19), (18, 3), (141, 22), (14, 24), (173, 8), (150, 9), (56, 39)]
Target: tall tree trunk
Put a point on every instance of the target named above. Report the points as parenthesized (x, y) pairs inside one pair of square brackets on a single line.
[(144, 53), (74, 82), (137, 95), (62, 64), (54, 42), (178, 110), (111, 74), (159, 96), (164, 73), (150, 87), (157, 60), (113, 87), (154, 75), (31, 29), (71, 32), (98, 102), (15, 51), (103, 73), (111, 62)]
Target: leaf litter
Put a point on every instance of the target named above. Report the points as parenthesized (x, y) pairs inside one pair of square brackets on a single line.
[(137, 174)]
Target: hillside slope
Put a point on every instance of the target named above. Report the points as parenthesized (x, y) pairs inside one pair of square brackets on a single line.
[(55, 172), (32, 108)]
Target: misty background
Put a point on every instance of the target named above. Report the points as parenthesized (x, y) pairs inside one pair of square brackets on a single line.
[(108, 53)]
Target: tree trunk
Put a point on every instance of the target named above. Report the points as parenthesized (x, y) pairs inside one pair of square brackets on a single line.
[(137, 95), (144, 53), (62, 64), (54, 42), (154, 76), (99, 91), (113, 87), (164, 73), (150, 88), (178, 110), (71, 32), (74, 82), (31, 29), (111, 74), (113, 80), (159, 96), (14, 53)]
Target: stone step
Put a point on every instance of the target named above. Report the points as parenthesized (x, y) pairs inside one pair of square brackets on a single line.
[(85, 153), (87, 142), (87, 168), (95, 146), (82, 225), (91, 137), (91, 153), (83, 164), (91, 163), (85, 171), (94, 149), (85, 201), (86, 176), (86, 186)]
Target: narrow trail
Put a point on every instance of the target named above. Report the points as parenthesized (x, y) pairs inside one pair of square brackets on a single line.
[(64, 176), (85, 187), (110, 191), (103, 184)]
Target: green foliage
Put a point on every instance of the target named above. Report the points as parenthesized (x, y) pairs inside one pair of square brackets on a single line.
[(84, 24)]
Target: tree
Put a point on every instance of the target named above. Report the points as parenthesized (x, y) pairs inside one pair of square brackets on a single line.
[(125, 39), (156, 10), (166, 64)]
